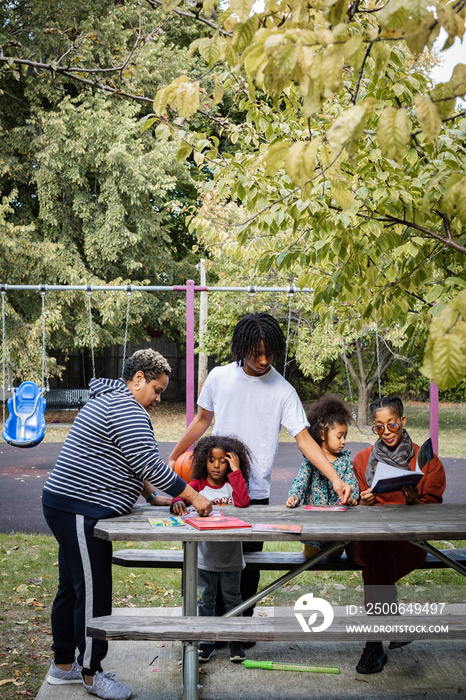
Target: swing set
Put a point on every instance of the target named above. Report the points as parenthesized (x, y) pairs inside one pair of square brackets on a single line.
[(25, 426)]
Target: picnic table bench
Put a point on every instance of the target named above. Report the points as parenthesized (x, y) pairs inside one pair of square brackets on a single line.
[(264, 561), (417, 524)]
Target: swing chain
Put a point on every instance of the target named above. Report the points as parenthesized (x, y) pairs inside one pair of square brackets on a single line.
[(89, 295), (345, 359), (291, 291), (4, 351), (378, 356), (45, 374), (128, 292)]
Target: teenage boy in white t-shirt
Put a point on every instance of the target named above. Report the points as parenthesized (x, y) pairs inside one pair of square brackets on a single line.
[(251, 401)]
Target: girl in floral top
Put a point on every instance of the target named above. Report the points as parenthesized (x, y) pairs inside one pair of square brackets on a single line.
[(328, 420)]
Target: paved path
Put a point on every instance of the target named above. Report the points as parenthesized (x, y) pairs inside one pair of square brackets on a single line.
[(23, 473)]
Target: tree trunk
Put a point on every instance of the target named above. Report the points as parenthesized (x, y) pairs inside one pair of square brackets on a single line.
[(328, 379)]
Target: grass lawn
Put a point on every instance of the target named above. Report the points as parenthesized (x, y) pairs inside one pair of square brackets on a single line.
[(29, 580)]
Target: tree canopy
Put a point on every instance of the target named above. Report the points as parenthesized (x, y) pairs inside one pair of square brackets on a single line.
[(348, 163), (85, 197)]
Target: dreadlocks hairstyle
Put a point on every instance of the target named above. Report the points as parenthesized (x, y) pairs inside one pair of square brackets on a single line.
[(392, 402), (204, 447), (327, 412), (254, 329)]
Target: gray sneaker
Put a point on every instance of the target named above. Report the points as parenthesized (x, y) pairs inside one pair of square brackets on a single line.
[(105, 686), (56, 676)]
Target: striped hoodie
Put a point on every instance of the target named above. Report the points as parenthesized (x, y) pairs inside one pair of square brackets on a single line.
[(108, 453)]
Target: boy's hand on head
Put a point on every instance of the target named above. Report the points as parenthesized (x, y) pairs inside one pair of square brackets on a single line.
[(292, 502), (233, 461), (367, 498)]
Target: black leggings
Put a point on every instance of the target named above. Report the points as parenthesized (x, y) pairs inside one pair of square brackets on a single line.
[(84, 588)]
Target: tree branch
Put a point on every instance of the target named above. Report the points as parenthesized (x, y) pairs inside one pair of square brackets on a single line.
[(411, 224)]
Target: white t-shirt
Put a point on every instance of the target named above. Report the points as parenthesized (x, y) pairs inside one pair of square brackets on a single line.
[(253, 409)]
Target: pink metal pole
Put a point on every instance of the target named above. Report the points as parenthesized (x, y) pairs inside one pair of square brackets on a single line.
[(189, 351), (433, 410)]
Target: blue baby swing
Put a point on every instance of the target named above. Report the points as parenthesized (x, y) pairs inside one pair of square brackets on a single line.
[(25, 426)]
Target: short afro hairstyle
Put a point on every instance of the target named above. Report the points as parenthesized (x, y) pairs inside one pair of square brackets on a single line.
[(328, 412), (254, 329), (391, 401), (204, 447), (151, 363)]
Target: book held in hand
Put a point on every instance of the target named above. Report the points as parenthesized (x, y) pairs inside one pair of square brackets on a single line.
[(388, 478), (277, 527), (216, 522)]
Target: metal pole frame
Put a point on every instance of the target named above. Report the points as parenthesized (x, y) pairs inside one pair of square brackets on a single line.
[(190, 287)]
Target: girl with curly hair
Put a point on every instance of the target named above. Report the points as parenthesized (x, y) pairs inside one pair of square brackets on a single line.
[(221, 467), (328, 420)]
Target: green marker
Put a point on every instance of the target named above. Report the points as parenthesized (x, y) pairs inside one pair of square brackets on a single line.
[(274, 666)]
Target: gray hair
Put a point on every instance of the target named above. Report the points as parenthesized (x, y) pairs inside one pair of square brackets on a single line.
[(148, 361)]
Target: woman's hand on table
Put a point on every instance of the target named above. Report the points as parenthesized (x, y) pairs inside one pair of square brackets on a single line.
[(367, 498), (292, 502), (201, 504)]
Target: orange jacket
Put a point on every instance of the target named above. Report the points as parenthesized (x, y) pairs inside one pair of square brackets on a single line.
[(430, 488)]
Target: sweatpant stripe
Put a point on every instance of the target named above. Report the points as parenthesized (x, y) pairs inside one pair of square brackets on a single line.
[(88, 585)]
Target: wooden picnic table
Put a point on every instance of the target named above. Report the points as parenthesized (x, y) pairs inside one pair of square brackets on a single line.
[(416, 524)]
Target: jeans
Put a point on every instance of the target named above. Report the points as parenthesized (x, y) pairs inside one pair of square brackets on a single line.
[(249, 579), (226, 582)]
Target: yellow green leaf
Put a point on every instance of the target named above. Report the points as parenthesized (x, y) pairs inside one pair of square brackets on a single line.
[(187, 99), (332, 68), (169, 5), (428, 117), (347, 127), (211, 50), (243, 33), (300, 160), (449, 360), (393, 133), (218, 90), (241, 8)]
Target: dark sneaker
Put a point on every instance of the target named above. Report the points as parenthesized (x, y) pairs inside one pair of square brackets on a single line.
[(107, 687), (248, 645), (373, 658), (56, 676), (206, 651), (237, 654), (398, 645)]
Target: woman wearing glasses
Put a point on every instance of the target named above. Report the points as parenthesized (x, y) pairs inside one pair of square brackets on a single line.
[(384, 563)]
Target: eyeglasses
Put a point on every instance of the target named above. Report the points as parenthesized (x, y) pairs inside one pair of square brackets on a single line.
[(380, 429)]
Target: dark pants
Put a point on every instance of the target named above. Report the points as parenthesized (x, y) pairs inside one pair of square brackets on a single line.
[(249, 579), (84, 588), (384, 563)]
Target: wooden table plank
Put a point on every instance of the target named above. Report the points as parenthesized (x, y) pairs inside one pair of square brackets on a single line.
[(397, 522)]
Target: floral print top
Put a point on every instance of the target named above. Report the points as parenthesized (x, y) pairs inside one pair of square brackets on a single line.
[(313, 488)]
